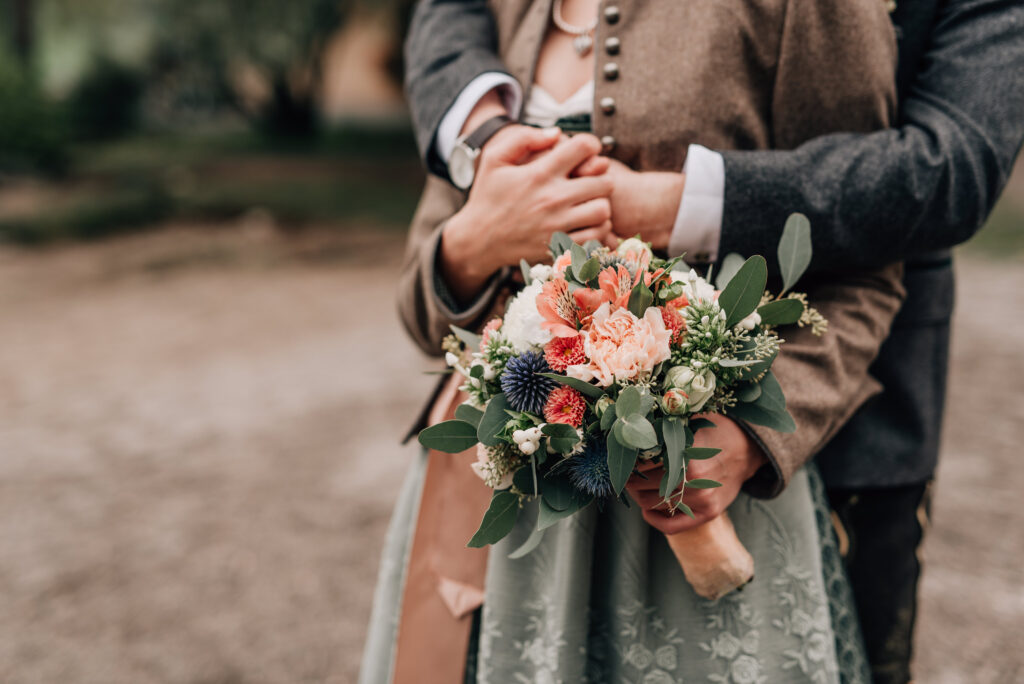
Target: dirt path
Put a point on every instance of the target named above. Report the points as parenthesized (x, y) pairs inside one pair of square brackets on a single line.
[(198, 458)]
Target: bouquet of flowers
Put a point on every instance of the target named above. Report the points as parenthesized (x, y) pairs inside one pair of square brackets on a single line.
[(605, 358)]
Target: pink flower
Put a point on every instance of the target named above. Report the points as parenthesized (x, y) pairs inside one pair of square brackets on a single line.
[(485, 336), (562, 352), (616, 284), (565, 405), (563, 262), (557, 307), (673, 320), (621, 346)]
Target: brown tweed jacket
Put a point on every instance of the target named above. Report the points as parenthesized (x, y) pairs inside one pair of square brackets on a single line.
[(728, 74)]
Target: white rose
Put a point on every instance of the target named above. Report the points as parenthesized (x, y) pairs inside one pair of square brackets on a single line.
[(699, 387), (635, 246), (522, 323)]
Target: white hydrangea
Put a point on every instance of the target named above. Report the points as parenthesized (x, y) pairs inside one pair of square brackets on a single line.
[(695, 288), (522, 323), (541, 272)]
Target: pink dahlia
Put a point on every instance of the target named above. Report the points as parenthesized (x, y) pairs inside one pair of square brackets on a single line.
[(565, 405), (562, 352)]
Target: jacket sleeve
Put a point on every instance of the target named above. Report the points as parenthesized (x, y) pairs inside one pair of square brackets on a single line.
[(450, 43), (927, 184)]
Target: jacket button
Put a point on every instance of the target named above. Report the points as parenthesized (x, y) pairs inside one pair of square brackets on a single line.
[(612, 45), (611, 71), (607, 144), (608, 105), (611, 14)]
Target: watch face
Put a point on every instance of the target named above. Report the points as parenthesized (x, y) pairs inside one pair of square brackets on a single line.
[(462, 166)]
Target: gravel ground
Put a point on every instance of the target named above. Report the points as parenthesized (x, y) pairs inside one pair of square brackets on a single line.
[(198, 458)]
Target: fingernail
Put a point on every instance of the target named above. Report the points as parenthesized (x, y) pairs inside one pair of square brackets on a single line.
[(552, 130)]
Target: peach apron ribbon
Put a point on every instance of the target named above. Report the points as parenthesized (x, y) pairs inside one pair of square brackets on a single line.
[(444, 579)]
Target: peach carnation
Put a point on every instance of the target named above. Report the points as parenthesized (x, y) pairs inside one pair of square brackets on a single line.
[(565, 405), (673, 320), (563, 262), (562, 352), (621, 346), (485, 336)]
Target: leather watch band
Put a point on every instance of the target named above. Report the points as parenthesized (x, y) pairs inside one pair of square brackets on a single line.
[(483, 133)]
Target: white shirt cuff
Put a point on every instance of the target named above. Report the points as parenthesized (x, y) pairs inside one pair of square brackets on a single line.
[(454, 119), (698, 227)]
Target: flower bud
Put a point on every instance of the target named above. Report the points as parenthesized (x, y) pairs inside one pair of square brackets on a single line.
[(519, 436), (451, 359), (528, 447), (602, 405), (674, 402)]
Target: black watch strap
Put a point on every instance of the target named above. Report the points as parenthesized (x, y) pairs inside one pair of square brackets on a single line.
[(483, 133)]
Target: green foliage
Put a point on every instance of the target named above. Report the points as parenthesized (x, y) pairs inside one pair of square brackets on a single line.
[(498, 521), (105, 103), (494, 420), (794, 250), (562, 438), (621, 461), (33, 132), (730, 265), (743, 293), (451, 436), (781, 312), (581, 386)]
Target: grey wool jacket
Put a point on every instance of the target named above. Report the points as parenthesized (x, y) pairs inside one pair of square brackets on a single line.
[(909, 192)]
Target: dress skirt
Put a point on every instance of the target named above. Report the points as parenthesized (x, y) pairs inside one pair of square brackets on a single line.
[(602, 600)]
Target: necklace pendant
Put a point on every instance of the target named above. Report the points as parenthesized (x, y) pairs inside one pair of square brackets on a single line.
[(582, 44)]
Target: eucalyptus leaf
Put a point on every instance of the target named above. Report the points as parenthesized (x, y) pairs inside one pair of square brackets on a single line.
[(621, 461), (579, 257), (562, 438), (560, 243), (532, 542), (701, 424), (737, 363), (498, 521), (628, 403), (493, 421), (524, 266), (635, 431), (701, 453), (582, 386), (470, 414), (730, 265), (591, 246), (548, 516), (749, 392), (476, 372), (675, 445), (470, 339), (743, 293), (771, 397), (781, 312), (640, 298), (680, 506), (557, 491), (794, 249), (451, 436), (701, 483), (780, 421), (589, 270)]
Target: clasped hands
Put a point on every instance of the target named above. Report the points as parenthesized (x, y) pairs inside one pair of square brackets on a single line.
[(531, 183)]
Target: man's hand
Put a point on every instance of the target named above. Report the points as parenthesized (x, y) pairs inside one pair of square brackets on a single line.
[(645, 203), (739, 460)]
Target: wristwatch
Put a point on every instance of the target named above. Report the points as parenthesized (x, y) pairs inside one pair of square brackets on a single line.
[(466, 153)]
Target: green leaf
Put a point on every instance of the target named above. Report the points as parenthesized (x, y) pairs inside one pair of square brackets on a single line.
[(562, 438), (635, 431), (476, 372), (680, 506), (498, 521), (557, 491), (579, 257), (608, 418), (743, 293), (628, 402), (532, 542), (781, 312), (640, 298), (585, 388), (675, 445), (470, 414), (701, 453), (621, 461), (524, 266), (670, 292), (771, 397), (451, 436), (471, 340), (762, 365), (589, 270), (701, 424), (591, 246), (560, 243), (794, 249), (749, 392), (730, 265), (737, 363), (493, 421), (702, 484), (548, 516), (780, 421)]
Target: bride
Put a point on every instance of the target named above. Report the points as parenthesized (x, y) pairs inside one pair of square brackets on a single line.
[(602, 599)]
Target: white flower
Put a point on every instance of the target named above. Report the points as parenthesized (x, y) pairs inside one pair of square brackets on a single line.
[(638, 656), (695, 288), (698, 387), (541, 272), (451, 359), (745, 670), (522, 323), (528, 448), (636, 249), (751, 321), (726, 645), (519, 436)]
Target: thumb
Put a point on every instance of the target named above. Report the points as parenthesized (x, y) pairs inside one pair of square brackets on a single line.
[(515, 143)]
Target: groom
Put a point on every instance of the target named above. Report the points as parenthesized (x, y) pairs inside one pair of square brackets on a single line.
[(909, 193)]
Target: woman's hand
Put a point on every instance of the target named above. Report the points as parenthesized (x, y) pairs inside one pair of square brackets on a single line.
[(739, 460), (645, 203), (520, 198)]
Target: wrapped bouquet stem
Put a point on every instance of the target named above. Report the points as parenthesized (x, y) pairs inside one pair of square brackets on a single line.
[(604, 359)]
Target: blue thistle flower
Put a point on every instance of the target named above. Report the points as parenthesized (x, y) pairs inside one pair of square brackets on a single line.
[(589, 471), (527, 391)]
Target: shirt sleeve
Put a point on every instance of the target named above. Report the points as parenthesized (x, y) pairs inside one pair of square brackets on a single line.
[(698, 227), (509, 90)]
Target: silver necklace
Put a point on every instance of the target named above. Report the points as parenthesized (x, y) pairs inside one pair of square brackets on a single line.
[(582, 41)]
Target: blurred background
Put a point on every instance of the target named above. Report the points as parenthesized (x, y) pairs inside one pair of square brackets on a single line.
[(203, 380)]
